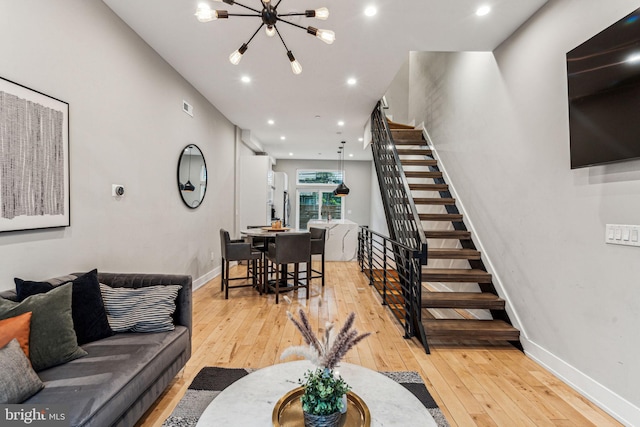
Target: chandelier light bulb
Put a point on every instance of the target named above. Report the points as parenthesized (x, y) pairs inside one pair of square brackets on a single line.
[(205, 14), (326, 36), (295, 65), (270, 30), (322, 13), (236, 56)]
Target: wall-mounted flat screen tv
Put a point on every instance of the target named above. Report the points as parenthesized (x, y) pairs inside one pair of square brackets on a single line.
[(603, 77)]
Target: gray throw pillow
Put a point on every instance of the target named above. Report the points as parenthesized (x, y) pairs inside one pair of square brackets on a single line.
[(147, 309), (18, 381), (53, 340)]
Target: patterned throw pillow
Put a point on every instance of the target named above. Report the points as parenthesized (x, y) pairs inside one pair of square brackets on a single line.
[(18, 381), (147, 309)]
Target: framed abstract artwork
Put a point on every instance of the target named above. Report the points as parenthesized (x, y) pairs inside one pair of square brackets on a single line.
[(34, 159)]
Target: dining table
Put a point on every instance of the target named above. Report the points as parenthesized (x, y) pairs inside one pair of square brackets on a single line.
[(269, 235)]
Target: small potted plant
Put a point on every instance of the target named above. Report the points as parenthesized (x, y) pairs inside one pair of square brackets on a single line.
[(324, 399)]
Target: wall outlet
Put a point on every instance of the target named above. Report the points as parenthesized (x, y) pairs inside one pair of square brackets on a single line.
[(212, 256)]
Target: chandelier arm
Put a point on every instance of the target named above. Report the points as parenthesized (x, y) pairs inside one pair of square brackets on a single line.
[(247, 7), (254, 34), (244, 14), (281, 39), (293, 14), (277, 4), (291, 23)]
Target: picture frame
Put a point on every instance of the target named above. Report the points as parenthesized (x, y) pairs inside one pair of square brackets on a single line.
[(34, 159)]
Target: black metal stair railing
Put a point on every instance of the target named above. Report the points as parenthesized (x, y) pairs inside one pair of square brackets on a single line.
[(400, 211), (404, 227), (394, 270)]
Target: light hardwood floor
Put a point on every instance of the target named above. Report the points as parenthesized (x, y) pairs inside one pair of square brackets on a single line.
[(474, 385)]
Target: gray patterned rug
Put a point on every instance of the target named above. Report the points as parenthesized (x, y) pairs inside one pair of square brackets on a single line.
[(210, 381)]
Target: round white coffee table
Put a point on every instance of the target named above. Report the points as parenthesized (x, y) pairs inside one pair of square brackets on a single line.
[(249, 402)]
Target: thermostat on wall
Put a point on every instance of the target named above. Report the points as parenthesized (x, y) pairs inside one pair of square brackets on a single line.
[(187, 108)]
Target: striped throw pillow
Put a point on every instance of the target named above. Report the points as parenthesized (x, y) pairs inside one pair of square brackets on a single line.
[(146, 309)]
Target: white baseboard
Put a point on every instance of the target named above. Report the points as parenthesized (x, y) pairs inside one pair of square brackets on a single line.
[(617, 406), (202, 280)]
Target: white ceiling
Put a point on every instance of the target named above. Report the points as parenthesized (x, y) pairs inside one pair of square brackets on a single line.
[(372, 50)]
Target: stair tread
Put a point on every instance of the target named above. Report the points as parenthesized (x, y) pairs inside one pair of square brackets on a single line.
[(419, 162), (447, 234), (434, 201), (396, 126), (463, 300), (453, 253), (428, 187), (414, 152), (440, 217), (461, 275), (406, 133), (422, 174), (470, 328)]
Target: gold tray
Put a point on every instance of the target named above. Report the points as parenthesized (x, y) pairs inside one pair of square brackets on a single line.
[(276, 229), (288, 411)]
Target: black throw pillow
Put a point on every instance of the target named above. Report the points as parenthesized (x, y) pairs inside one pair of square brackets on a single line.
[(87, 308)]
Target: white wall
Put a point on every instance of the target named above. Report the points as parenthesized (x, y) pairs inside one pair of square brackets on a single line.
[(126, 127), (397, 95), (357, 178), (499, 122)]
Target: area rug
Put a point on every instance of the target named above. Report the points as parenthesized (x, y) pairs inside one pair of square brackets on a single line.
[(210, 381)]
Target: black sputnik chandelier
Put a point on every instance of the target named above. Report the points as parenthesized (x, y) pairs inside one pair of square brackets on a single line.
[(270, 18)]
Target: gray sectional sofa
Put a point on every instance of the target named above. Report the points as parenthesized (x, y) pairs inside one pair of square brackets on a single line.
[(122, 375)]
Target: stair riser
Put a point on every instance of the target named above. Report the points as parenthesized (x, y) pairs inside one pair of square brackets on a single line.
[(455, 279)]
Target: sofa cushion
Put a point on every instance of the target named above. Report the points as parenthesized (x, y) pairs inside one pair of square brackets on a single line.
[(18, 381), (100, 387), (87, 308), (52, 340), (17, 327), (147, 309)]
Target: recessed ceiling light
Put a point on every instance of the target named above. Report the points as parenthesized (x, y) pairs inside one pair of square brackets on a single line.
[(245, 79), (271, 122), (340, 123), (360, 139), (282, 138), (371, 11), (291, 154), (351, 155), (483, 10), (351, 81)]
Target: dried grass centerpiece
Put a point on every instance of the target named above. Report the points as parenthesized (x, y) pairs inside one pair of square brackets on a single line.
[(324, 399)]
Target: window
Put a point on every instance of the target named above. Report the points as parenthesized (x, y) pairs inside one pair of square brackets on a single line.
[(319, 177), (317, 204)]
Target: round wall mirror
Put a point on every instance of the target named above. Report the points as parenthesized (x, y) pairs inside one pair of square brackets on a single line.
[(192, 176)]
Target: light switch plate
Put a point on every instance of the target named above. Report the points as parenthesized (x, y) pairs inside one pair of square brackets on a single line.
[(619, 234)]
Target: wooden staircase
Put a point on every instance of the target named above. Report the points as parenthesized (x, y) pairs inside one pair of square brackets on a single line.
[(445, 314)]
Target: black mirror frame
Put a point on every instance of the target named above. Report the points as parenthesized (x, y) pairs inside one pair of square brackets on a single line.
[(206, 182)]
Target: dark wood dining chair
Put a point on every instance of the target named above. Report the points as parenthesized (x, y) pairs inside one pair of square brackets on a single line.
[(290, 248), (318, 239), (238, 250)]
